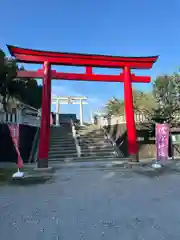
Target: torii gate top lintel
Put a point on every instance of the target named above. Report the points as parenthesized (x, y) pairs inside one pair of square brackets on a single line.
[(69, 98), (26, 55)]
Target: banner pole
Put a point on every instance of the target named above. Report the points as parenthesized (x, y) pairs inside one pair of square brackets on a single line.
[(14, 132)]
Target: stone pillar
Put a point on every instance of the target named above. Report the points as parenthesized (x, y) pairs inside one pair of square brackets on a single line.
[(18, 115), (81, 112), (57, 111)]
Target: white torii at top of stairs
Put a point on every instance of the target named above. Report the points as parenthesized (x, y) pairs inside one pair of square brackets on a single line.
[(58, 100)]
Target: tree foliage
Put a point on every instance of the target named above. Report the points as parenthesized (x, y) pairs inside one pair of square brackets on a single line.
[(115, 107), (24, 90), (142, 102), (161, 104), (8, 69), (166, 90)]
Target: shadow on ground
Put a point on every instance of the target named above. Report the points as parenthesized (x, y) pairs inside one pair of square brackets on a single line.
[(150, 172), (31, 177)]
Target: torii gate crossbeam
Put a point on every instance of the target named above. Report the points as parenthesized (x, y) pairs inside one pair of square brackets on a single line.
[(89, 61)]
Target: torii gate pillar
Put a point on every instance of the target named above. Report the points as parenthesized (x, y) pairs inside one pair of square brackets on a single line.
[(129, 111), (57, 112), (45, 118), (81, 112)]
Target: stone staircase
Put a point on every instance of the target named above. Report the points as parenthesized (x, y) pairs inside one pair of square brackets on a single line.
[(94, 146), (62, 144)]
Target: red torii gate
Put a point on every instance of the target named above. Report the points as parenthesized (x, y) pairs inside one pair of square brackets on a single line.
[(48, 58)]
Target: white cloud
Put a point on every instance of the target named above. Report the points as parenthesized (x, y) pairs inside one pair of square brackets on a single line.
[(64, 91)]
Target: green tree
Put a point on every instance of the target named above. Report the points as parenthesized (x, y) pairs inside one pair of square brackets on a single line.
[(115, 107), (8, 71), (143, 102), (25, 90), (166, 90), (31, 92)]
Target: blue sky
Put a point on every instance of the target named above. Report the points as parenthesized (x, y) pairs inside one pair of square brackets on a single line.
[(129, 27)]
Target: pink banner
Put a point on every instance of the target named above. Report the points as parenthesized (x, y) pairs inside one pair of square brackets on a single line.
[(162, 142), (14, 132)]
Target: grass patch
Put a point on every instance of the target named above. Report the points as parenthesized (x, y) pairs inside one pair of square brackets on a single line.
[(6, 174)]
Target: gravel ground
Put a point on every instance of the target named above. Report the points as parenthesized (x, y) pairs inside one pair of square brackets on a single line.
[(93, 204)]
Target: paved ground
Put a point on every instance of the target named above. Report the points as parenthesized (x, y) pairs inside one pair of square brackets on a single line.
[(93, 204)]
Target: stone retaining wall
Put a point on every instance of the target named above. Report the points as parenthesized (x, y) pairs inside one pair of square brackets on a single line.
[(145, 136)]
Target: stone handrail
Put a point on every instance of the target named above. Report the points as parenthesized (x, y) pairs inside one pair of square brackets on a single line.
[(116, 148), (78, 148)]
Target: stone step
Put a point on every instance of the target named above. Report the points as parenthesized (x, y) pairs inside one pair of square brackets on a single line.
[(95, 137), (74, 154), (98, 154), (63, 144), (65, 150), (62, 148), (83, 148), (94, 143), (86, 151), (61, 131), (85, 159), (92, 158), (62, 155), (62, 158), (62, 140), (59, 157), (62, 137), (90, 129), (91, 132), (83, 153), (92, 137), (95, 146)]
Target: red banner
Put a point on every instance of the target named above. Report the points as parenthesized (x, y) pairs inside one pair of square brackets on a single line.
[(14, 132), (51, 119)]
